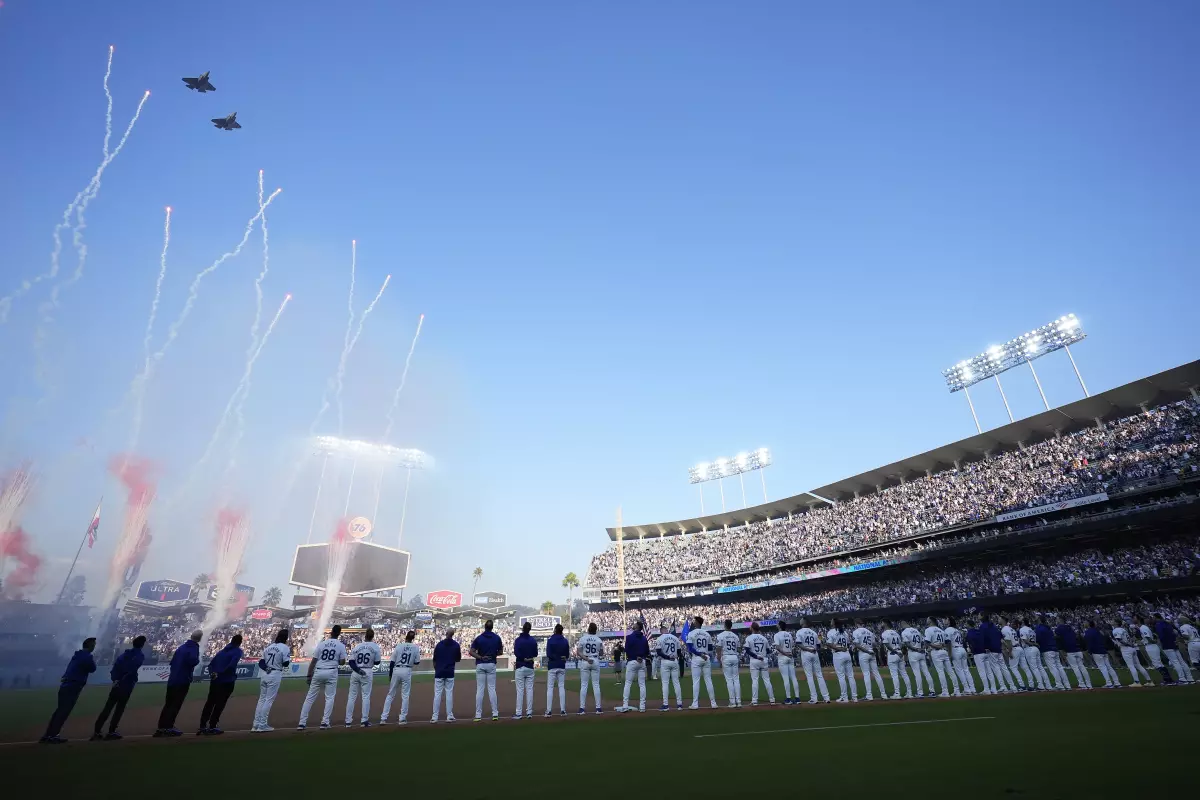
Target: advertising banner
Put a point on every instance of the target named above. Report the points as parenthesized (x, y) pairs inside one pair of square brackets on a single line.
[(245, 591), (490, 600), (163, 591), (443, 599), (1050, 508), (540, 623)]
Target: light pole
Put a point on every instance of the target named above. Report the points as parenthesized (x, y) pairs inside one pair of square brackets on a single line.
[(723, 468)]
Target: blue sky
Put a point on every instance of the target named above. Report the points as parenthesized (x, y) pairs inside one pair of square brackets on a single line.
[(644, 235)]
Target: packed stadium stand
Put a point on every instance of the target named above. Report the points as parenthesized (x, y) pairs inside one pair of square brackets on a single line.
[(1088, 505)]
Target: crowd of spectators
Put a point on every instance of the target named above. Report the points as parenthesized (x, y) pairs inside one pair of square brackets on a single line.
[(1156, 443), (1175, 558)]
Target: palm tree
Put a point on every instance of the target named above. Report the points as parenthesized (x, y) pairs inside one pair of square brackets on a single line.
[(199, 584), (476, 573), (547, 607), (273, 596), (570, 583)]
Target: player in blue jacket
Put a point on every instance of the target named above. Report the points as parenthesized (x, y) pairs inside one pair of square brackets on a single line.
[(446, 654), (183, 666), (1049, 648), (1097, 646), (993, 644), (485, 649), (73, 680), (637, 649), (124, 674), (222, 674), (558, 650), (525, 649), (1168, 640)]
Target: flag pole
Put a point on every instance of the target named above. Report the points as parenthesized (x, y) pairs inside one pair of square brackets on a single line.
[(621, 576), (75, 561)]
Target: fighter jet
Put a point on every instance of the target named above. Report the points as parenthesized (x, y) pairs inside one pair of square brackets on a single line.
[(227, 123), (200, 84)]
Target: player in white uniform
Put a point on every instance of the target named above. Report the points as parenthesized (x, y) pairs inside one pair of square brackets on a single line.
[(731, 647), (1016, 657), (1170, 651), (895, 661), (667, 648), (323, 675), (785, 648), (958, 657), (843, 664), (405, 658), (1153, 649), (366, 656), (914, 642), (1033, 657), (274, 661), (1192, 639), (864, 647), (757, 650), (810, 660), (1128, 646), (588, 652), (936, 638), (700, 647)]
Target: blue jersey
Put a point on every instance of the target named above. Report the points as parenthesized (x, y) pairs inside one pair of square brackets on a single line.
[(636, 646), (183, 663), (1045, 638), (446, 654), (557, 651), (1067, 634), (1097, 645), (488, 645), (525, 649), (78, 668), (1166, 634), (993, 639), (223, 667), (975, 641), (124, 671)]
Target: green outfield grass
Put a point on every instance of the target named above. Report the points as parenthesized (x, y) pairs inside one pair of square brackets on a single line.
[(1059, 745)]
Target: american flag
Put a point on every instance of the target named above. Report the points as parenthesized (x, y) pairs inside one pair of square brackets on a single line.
[(94, 527)]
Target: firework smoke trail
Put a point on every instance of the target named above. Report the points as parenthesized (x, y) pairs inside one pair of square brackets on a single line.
[(233, 533), (139, 386), (14, 543), (391, 412), (341, 370), (312, 429), (108, 98), (12, 496), (137, 476), (339, 558)]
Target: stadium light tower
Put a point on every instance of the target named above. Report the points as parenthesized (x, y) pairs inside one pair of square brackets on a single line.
[(1025, 349), (723, 468)]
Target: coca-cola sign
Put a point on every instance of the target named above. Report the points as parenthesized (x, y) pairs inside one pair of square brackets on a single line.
[(261, 613), (443, 599)]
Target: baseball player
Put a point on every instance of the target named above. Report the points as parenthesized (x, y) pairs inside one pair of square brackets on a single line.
[(700, 647), (405, 657), (1192, 637), (274, 661), (323, 676), (1070, 642), (978, 649), (446, 654), (864, 645), (785, 647), (525, 648), (667, 648), (588, 652), (1153, 650), (1167, 637), (1033, 657), (958, 657), (655, 658), (1127, 643), (1048, 646), (914, 643), (808, 642), (993, 645), (486, 648), (843, 664), (895, 661), (1015, 656), (731, 647), (936, 639), (1099, 650), (638, 650), (558, 650), (757, 650), (366, 656)]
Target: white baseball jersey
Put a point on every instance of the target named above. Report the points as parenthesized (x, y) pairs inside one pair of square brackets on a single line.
[(1148, 636), (756, 643), (785, 644), (1189, 632), (329, 653), (406, 654), (864, 638), (935, 635), (891, 640), (668, 646), (1028, 638), (366, 655), (912, 640), (590, 647), (837, 638), (953, 636), (1122, 638), (729, 642), (807, 639), (701, 641), (1009, 635), (277, 656)]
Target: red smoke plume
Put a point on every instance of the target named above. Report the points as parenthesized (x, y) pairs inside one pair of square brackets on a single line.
[(15, 544), (137, 474)]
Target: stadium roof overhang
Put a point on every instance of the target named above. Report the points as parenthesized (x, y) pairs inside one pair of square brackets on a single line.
[(1166, 387)]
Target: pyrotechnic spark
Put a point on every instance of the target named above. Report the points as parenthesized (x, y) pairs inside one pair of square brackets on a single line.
[(12, 496), (139, 387), (108, 97), (341, 370), (262, 275), (329, 385), (134, 538), (15, 544), (391, 412), (339, 558), (243, 388), (233, 533)]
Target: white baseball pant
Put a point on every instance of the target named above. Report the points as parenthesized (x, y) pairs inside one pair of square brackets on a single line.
[(985, 673), (1130, 654), (898, 670), (524, 679), (787, 672), (668, 673), (589, 674), (443, 686), (962, 668), (1176, 662), (702, 667), (843, 667), (811, 663), (870, 667), (268, 688), (485, 676), (1001, 675), (359, 684), (655, 666), (1154, 655), (1033, 658), (635, 669), (1017, 660), (733, 680), (920, 668), (402, 680), (323, 680), (759, 668), (1077, 665), (1054, 666), (556, 676), (1194, 653), (1106, 669), (941, 663)]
